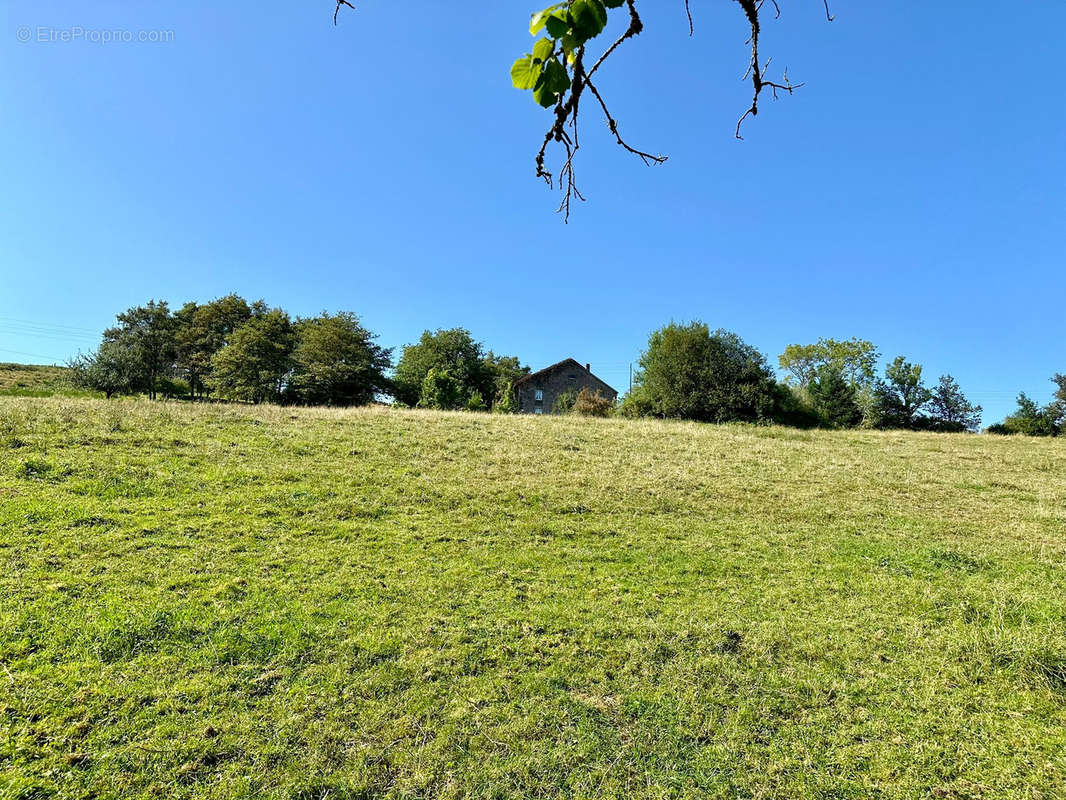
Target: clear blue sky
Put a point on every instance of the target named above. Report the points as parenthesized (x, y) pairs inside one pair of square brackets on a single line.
[(913, 192)]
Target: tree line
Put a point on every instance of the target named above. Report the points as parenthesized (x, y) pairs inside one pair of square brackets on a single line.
[(230, 349), (691, 372)]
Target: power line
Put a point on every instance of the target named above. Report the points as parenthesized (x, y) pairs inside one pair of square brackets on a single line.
[(31, 355), (54, 325)]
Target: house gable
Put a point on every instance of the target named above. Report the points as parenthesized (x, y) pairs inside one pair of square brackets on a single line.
[(536, 393)]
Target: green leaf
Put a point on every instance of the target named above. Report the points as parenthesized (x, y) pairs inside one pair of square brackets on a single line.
[(557, 26), (613, 3), (554, 80), (543, 50), (536, 24), (590, 18), (525, 73), (556, 77)]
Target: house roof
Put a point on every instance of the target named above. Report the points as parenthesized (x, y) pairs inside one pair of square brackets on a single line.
[(566, 362)]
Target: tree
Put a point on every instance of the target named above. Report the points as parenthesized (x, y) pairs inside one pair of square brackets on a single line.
[(146, 335), (833, 398), (855, 358), (337, 362), (901, 395), (112, 369), (557, 72), (507, 371), (689, 373), (1030, 419), (455, 352), (1057, 409), (203, 330), (949, 410), (257, 362), (440, 390)]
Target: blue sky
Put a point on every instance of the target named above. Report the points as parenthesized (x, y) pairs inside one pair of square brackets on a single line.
[(913, 192)]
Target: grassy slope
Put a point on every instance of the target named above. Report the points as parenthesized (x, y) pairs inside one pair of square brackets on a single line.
[(32, 380), (217, 602)]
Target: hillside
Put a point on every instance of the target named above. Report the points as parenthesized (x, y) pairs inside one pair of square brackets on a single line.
[(32, 380), (213, 601)]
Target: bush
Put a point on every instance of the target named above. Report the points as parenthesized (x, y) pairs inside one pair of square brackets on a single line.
[(172, 388), (564, 403), (476, 402), (589, 404), (792, 407), (440, 390), (1029, 420), (688, 372), (507, 403)]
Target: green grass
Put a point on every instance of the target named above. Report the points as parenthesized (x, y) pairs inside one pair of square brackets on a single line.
[(33, 380), (223, 602)]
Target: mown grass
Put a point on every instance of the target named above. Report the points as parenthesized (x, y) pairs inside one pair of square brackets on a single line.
[(33, 380), (222, 602)]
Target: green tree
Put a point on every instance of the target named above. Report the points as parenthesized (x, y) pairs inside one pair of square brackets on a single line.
[(440, 390), (203, 330), (834, 398), (901, 395), (452, 351), (337, 362), (113, 369), (689, 373), (257, 362), (856, 360), (506, 371), (1029, 420), (146, 335), (949, 411), (1057, 409)]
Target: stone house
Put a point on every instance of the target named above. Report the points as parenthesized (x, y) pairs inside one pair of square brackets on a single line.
[(536, 393)]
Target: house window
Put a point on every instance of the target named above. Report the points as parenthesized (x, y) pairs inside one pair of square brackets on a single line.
[(539, 396), (538, 410)]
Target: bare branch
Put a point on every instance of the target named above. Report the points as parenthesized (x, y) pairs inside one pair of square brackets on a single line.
[(755, 71), (648, 159), (337, 10)]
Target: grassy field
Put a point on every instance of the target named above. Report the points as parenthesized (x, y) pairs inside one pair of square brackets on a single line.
[(223, 602), (32, 380)]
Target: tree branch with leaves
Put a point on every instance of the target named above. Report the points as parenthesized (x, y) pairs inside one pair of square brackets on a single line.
[(556, 73)]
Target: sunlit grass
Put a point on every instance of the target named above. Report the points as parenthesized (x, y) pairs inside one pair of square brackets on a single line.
[(217, 601)]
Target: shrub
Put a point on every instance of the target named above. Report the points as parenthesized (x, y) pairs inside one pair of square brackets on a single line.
[(564, 403), (440, 390), (792, 407), (172, 388), (475, 402), (589, 404), (507, 403)]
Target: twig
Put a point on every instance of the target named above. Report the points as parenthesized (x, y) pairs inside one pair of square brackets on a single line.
[(337, 10)]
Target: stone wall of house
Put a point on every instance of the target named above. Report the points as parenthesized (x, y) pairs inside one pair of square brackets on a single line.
[(557, 381)]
